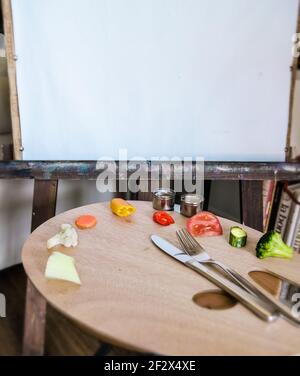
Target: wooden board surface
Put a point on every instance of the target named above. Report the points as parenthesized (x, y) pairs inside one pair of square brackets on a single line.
[(135, 296)]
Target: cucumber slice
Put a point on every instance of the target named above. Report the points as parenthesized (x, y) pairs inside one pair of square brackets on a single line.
[(237, 237)]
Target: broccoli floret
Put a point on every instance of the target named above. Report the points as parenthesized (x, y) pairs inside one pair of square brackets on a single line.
[(272, 245)]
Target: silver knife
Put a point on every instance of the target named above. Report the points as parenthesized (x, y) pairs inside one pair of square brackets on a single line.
[(256, 305)]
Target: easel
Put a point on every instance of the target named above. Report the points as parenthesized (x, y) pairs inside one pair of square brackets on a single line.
[(47, 175)]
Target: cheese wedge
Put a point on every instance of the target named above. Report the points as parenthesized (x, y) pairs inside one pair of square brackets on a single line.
[(62, 267)]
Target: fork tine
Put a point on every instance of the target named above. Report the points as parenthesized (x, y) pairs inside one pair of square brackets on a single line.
[(187, 239), (181, 241), (192, 239), (182, 238), (186, 244)]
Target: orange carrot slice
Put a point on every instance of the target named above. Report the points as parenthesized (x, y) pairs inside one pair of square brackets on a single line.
[(86, 221)]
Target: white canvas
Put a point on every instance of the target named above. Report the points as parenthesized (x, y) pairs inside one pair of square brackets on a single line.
[(160, 78)]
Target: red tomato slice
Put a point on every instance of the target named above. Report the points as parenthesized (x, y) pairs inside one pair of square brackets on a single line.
[(204, 224), (163, 218)]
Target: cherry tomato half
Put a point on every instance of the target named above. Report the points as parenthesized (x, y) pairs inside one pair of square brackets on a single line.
[(163, 218), (204, 224)]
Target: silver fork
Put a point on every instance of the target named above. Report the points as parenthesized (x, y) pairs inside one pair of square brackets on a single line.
[(194, 249)]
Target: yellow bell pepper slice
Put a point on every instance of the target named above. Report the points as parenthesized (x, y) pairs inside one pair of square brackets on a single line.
[(121, 207)]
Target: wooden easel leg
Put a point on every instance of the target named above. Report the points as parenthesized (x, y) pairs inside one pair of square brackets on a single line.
[(252, 204), (44, 202), (207, 189), (44, 206), (35, 320)]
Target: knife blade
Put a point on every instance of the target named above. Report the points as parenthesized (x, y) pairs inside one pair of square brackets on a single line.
[(170, 249), (260, 308)]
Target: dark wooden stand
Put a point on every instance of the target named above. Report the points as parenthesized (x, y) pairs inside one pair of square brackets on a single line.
[(47, 175), (43, 208)]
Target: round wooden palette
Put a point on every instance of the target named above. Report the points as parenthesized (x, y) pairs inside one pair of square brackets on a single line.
[(133, 295)]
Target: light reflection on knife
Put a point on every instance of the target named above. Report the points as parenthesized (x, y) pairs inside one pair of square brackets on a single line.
[(256, 305)]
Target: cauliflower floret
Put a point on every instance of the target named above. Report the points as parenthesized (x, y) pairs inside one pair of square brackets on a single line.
[(67, 237)]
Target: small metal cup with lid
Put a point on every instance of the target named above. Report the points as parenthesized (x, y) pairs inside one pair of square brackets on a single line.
[(163, 199), (191, 204)]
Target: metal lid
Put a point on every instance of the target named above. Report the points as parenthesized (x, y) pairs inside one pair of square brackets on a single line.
[(164, 193), (191, 199)]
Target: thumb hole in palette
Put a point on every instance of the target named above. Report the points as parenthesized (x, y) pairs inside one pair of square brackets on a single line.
[(214, 299)]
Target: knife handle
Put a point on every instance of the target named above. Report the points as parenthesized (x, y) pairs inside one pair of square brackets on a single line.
[(251, 302)]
